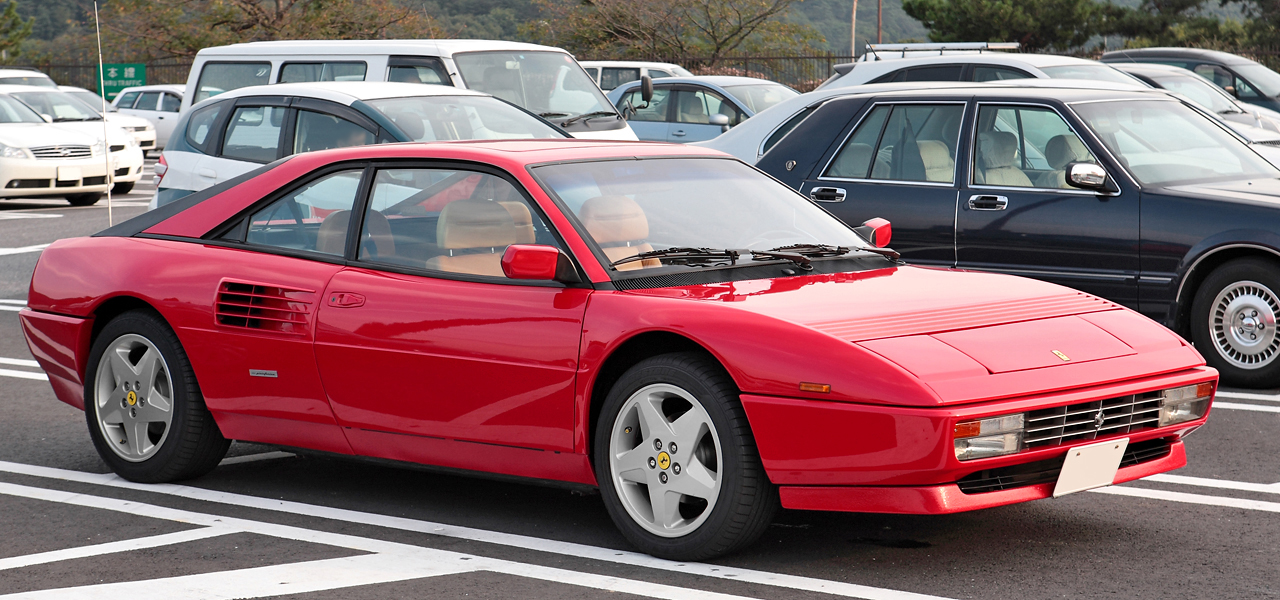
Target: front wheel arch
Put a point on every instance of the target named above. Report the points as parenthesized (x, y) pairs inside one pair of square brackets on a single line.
[(1205, 265)]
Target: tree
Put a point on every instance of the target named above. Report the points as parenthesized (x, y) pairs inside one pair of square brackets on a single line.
[(1036, 24), (13, 30), (671, 28)]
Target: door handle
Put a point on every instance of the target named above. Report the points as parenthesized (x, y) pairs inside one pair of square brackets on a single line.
[(827, 194), (161, 118), (987, 202), (678, 133), (210, 173), (345, 300)]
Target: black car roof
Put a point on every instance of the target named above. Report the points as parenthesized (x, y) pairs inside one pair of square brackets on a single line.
[(1196, 53)]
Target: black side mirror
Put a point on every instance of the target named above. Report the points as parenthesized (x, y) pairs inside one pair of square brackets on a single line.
[(1090, 176), (646, 88)]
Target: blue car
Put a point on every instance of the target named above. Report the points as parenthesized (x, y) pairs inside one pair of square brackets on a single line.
[(695, 109)]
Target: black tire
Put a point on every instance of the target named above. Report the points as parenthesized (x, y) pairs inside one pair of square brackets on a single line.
[(124, 187), (191, 445), (84, 199), (747, 500), (1234, 293)]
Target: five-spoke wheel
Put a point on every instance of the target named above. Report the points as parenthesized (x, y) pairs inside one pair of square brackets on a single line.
[(133, 397)]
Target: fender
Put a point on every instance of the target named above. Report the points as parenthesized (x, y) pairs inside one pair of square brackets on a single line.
[(1236, 239)]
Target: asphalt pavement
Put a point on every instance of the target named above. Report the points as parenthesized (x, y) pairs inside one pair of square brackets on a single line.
[(274, 523)]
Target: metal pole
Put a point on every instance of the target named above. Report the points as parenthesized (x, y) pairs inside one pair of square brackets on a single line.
[(879, 14), (853, 24), (102, 93)]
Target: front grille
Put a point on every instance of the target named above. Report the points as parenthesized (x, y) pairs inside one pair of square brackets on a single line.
[(122, 172), (1089, 420), (117, 148), (27, 183), (68, 183), (95, 180), (61, 152), (147, 143), (1046, 471)]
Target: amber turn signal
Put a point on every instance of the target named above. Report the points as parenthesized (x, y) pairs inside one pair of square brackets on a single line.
[(821, 388)]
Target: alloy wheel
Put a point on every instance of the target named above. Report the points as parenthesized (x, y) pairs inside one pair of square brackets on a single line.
[(133, 397)]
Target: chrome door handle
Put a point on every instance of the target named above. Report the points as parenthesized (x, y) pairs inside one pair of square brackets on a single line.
[(987, 202), (827, 194), (678, 133)]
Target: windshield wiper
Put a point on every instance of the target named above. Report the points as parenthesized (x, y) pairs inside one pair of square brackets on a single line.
[(686, 254), (813, 249), (590, 115), (553, 114), (71, 119)]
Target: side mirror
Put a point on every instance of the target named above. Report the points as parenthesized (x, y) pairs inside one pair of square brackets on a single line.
[(878, 232), (646, 88), (721, 120), (543, 263), (1089, 176), (47, 118)]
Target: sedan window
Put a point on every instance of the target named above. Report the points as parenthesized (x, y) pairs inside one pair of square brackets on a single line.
[(655, 110), (1025, 147), (127, 100), (147, 101), (911, 142), (613, 77), (985, 73), (317, 131), (760, 97), (170, 103), (696, 107), (314, 218), (254, 134)]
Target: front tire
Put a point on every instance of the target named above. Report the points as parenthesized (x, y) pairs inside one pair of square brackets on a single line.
[(83, 199), (124, 187), (1233, 322), (145, 413), (676, 462)]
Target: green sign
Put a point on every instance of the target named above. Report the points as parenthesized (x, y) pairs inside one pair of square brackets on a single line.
[(116, 77)]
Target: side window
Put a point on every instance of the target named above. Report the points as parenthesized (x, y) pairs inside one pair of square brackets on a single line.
[(938, 73), (148, 101), (447, 220), (327, 71), (594, 72), (1025, 147), (253, 134), (656, 111), (696, 107), (1218, 75), (612, 77), (127, 100), (314, 218), (1244, 89), (317, 131), (985, 73), (786, 128), (417, 69), (914, 142), (219, 77), (201, 124), (895, 76), (170, 103), (658, 74)]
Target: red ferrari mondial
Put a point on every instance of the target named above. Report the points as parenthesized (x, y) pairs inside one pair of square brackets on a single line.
[(663, 322)]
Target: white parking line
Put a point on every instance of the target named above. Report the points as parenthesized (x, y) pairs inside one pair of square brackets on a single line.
[(168, 539), (23, 249), (23, 374), (18, 215), (11, 308), (1222, 484), (1190, 498), (1246, 396), (19, 362), (21, 302), (783, 580), (1253, 407)]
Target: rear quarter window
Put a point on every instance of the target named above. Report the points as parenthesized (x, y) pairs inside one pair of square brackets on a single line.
[(200, 126), (220, 77)]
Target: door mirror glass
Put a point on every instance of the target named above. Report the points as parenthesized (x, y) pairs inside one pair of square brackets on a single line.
[(1087, 176)]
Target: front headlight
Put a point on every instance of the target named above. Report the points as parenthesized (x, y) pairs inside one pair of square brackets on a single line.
[(1187, 403), (996, 436), (14, 152)]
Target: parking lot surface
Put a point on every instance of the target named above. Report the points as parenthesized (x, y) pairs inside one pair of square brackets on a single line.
[(273, 522)]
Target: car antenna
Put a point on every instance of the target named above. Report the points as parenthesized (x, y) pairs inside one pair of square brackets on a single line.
[(871, 48), (102, 94)]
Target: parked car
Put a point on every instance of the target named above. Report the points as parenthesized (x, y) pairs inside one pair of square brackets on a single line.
[(988, 66), (25, 76), (701, 357), (158, 104), (233, 133), (1247, 80), (541, 79), (692, 109), (39, 159), (144, 133), (70, 113), (1203, 92), (1178, 219), (609, 74)]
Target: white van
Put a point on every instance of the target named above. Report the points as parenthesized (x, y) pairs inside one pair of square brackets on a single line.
[(610, 74), (544, 80)]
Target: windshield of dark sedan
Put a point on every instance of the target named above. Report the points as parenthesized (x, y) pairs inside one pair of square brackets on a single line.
[(762, 96), (631, 206), (1091, 73), (1166, 143), (1262, 78), (1199, 90), (431, 118), (550, 84), (61, 106)]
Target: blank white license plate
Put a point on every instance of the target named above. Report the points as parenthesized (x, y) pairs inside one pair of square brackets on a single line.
[(68, 173), (1091, 466)]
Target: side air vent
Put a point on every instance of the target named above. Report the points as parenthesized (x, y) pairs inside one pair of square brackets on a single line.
[(263, 307)]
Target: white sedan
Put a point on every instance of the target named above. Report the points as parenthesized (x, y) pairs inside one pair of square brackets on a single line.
[(38, 158), (143, 131)]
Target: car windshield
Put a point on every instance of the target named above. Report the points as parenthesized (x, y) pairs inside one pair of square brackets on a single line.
[(1262, 78), (430, 118), (1090, 73), (550, 84), (762, 96), (1199, 90), (13, 111), (62, 107), (92, 99), (633, 206), (1167, 143)]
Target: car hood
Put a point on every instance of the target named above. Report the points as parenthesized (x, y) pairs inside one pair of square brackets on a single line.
[(95, 129), (966, 335), (1251, 191), (123, 120), (28, 135)]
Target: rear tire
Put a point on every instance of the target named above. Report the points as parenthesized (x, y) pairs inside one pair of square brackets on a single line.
[(145, 413), (704, 492), (124, 187), (1233, 322), (84, 199)]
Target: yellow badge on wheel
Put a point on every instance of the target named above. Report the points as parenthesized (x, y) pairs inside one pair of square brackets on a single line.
[(132, 399), (664, 460)]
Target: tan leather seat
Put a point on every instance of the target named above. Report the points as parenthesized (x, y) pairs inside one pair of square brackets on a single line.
[(523, 221), (997, 151), (852, 162), (332, 236), (619, 226), (938, 164), (1059, 152), (691, 109), (474, 234)]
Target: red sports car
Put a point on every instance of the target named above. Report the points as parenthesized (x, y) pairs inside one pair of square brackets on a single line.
[(662, 322)]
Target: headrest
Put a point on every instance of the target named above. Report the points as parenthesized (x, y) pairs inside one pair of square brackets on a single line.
[(378, 230), (935, 154), (409, 123), (332, 236), (523, 221), (474, 224), (612, 219), (997, 149), (1063, 149)]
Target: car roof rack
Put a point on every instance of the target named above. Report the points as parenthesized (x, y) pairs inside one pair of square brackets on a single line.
[(939, 47)]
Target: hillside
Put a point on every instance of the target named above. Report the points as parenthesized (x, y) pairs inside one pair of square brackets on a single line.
[(831, 18)]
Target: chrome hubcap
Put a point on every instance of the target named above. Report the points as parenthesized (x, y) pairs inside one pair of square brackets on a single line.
[(665, 460), (133, 397), (1243, 324)]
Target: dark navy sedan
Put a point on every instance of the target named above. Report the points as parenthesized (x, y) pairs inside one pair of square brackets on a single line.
[(1132, 196)]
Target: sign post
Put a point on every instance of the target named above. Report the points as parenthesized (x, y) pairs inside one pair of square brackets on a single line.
[(116, 77)]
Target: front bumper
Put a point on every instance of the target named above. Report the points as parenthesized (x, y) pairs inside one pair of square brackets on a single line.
[(52, 177)]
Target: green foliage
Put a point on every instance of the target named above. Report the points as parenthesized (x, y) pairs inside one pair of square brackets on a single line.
[(13, 30), (1036, 24)]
